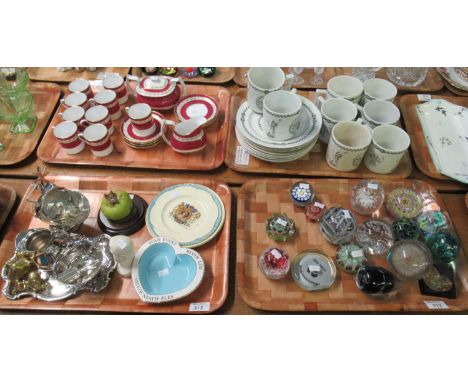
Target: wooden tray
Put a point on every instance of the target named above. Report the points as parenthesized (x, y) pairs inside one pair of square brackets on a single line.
[(312, 164), (258, 199), (53, 74), (120, 295), (159, 157), (7, 200), (222, 75), (432, 83), (19, 146), (241, 79), (419, 147)]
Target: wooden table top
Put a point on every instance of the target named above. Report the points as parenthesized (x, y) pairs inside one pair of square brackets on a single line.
[(19, 176)]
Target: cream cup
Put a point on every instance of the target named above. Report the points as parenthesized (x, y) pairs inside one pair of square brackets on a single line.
[(261, 81), (335, 110), (98, 114), (97, 139), (141, 116), (377, 88), (66, 133), (73, 114), (346, 87), (77, 99), (81, 86), (348, 144), (281, 114), (108, 98), (389, 144), (377, 112)]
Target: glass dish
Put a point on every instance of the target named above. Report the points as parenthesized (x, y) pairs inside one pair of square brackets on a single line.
[(407, 77)]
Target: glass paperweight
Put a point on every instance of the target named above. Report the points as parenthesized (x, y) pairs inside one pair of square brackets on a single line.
[(338, 225), (207, 71), (280, 228), (404, 203), (374, 280), (367, 197), (375, 237), (314, 211), (444, 246), (350, 257), (189, 72), (405, 229), (301, 194), (274, 263), (313, 271), (431, 222), (410, 259)]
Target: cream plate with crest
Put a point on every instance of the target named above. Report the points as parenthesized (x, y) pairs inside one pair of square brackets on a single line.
[(192, 214)]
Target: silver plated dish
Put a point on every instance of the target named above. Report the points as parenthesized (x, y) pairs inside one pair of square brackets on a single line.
[(73, 263)]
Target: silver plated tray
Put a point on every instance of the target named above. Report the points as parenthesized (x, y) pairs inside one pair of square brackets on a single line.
[(71, 263)]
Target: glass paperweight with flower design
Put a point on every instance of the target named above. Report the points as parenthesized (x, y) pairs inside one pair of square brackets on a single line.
[(444, 246), (405, 229), (315, 210), (374, 236), (301, 194), (404, 203), (350, 258), (274, 263), (280, 228), (431, 222), (367, 197), (338, 225), (410, 259)]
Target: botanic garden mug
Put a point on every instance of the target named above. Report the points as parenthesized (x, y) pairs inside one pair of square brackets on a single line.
[(389, 144), (281, 114), (347, 87), (378, 112), (261, 81), (348, 144), (334, 110), (377, 88)]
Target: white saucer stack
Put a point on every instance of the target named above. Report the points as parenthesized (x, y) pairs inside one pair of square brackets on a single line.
[(250, 132)]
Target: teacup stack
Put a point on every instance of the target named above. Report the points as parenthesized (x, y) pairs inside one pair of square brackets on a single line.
[(373, 137), (275, 124)]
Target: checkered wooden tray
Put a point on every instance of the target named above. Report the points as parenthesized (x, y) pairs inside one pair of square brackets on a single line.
[(259, 199), (120, 295)]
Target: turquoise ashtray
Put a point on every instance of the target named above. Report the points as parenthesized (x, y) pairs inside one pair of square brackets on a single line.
[(163, 271)]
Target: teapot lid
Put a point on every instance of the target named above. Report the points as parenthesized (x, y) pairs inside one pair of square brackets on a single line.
[(157, 86)]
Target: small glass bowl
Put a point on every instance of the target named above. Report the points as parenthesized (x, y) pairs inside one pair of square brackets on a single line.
[(405, 229), (374, 236), (367, 197), (189, 71), (274, 263), (404, 203), (410, 259), (280, 228), (350, 258), (301, 194), (444, 246), (314, 211), (338, 225)]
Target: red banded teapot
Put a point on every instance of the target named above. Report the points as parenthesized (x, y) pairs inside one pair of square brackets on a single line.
[(159, 92)]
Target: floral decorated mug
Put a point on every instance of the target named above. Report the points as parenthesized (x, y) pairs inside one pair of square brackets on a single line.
[(389, 144), (348, 144)]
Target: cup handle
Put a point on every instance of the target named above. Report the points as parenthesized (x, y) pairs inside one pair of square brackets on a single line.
[(289, 78), (182, 83), (62, 101), (84, 123), (163, 131), (359, 107), (293, 91), (60, 114), (81, 137), (319, 100)]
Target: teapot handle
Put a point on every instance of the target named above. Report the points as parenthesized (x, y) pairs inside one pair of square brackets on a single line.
[(133, 78), (184, 87), (163, 131)]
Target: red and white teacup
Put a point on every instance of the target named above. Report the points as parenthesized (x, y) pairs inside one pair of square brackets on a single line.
[(66, 133), (108, 98), (73, 114), (81, 86), (141, 116), (97, 139), (98, 114), (116, 83), (77, 99)]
